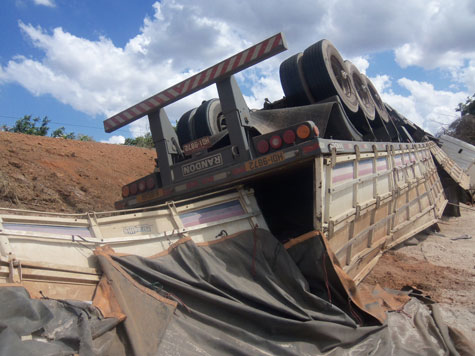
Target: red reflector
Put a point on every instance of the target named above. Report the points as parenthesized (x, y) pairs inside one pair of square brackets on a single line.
[(262, 146), (208, 180), (133, 188), (150, 183), (238, 170), (275, 142), (191, 184), (289, 137), (310, 148)]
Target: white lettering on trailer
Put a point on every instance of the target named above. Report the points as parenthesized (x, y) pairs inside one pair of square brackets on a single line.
[(338, 146), (132, 230), (202, 165)]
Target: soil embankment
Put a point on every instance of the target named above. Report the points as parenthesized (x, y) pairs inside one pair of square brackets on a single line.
[(54, 174)]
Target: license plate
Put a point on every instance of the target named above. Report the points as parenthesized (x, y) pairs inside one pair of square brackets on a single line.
[(197, 145), (265, 161)]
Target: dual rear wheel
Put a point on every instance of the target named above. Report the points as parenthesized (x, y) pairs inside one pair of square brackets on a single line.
[(205, 120), (320, 73)]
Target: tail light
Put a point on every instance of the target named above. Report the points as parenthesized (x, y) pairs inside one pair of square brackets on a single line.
[(263, 146), (303, 131), (289, 137), (125, 191), (133, 188), (285, 138), (275, 142), (139, 186), (150, 183)]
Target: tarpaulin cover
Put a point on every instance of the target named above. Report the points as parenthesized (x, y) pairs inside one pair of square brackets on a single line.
[(245, 294), (248, 294), (52, 327)]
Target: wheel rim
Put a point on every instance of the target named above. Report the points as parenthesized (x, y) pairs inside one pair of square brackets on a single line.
[(361, 89), (221, 121), (342, 77), (378, 102)]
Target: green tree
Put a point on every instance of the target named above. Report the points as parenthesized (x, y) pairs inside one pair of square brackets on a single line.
[(82, 137), (463, 128), (28, 126), (467, 108), (140, 141), (59, 133)]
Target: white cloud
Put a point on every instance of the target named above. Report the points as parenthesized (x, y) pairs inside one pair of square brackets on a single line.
[(381, 82), (466, 76), (116, 140), (49, 3), (361, 63), (184, 36), (429, 108)]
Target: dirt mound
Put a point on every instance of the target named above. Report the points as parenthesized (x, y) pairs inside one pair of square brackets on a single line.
[(53, 174)]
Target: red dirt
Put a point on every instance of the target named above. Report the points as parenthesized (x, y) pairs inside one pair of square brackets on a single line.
[(54, 174), (396, 270)]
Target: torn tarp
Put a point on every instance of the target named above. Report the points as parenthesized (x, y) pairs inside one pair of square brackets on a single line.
[(248, 294)]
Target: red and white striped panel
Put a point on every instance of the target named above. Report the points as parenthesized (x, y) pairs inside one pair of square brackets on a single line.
[(232, 65)]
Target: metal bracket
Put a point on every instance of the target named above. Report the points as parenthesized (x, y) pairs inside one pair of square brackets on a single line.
[(237, 115), (175, 217), (333, 157), (163, 135), (94, 226), (13, 263)]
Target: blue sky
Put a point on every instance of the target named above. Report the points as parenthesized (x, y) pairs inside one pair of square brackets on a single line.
[(78, 62)]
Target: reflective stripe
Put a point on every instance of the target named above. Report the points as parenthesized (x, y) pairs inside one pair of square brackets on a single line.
[(234, 64)]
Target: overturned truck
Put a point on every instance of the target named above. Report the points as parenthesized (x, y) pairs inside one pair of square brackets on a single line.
[(251, 232)]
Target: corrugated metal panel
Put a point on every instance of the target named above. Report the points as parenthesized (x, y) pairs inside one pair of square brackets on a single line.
[(461, 152)]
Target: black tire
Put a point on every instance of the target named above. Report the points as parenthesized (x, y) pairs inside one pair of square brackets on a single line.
[(393, 125), (326, 74), (293, 81), (209, 119), (379, 105), (184, 128), (339, 126), (365, 101)]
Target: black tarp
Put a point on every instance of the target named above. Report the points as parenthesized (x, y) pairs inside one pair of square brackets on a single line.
[(245, 294), (249, 295), (52, 327)]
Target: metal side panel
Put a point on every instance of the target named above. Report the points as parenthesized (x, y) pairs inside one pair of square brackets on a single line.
[(373, 201), (461, 152), (144, 232), (449, 165)]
